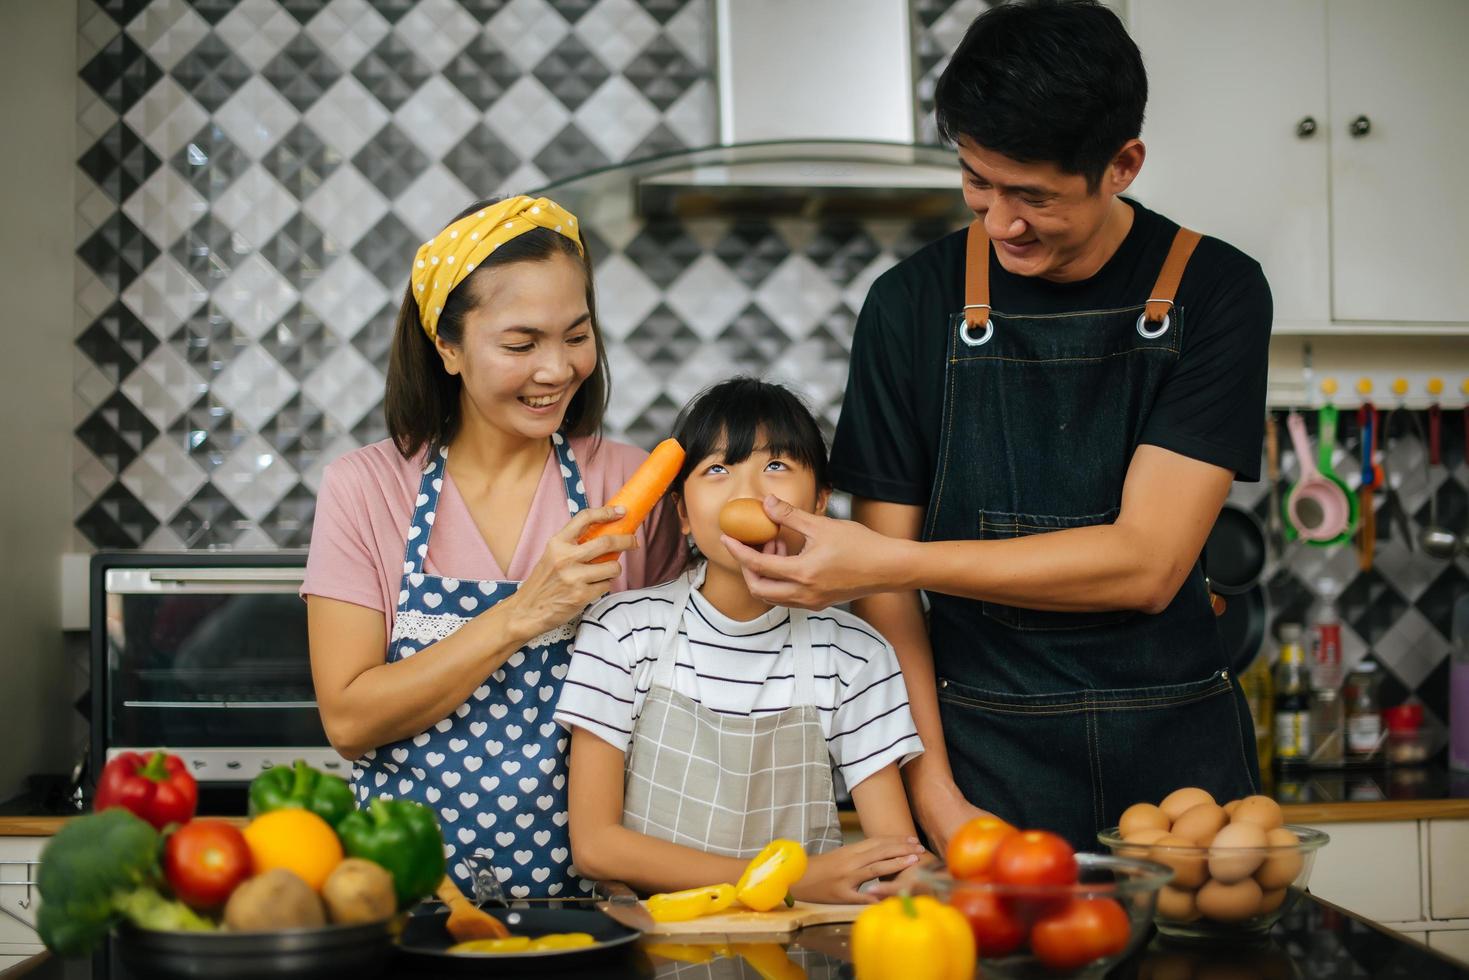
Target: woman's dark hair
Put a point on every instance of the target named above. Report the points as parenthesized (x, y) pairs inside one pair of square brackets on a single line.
[(1057, 81), (422, 401), (741, 415)]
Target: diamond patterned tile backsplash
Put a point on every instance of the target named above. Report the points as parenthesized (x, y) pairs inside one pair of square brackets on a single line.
[(253, 176)]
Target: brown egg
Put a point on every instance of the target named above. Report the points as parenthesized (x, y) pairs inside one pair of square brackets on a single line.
[(1261, 811), (1283, 861), (1236, 852), (743, 519), (1200, 823), (1184, 857), (1177, 904), (1141, 816), (1272, 900), (1229, 902), (1176, 803), (1136, 846)]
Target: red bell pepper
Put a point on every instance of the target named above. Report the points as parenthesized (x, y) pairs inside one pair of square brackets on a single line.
[(156, 787)]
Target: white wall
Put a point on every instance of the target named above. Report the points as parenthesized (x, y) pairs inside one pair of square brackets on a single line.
[(38, 78)]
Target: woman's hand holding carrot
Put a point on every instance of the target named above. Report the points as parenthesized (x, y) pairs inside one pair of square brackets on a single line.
[(642, 490), (570, 575)]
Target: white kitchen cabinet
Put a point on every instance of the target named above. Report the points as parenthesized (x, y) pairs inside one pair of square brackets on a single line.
[(1251, 138), (1371, 869), (1448, 857)]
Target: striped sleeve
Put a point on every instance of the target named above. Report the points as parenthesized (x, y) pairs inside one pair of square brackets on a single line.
[(873, 726), (599, 690)]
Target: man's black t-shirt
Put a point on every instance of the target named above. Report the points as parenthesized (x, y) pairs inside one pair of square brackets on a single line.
[(1210, 408)]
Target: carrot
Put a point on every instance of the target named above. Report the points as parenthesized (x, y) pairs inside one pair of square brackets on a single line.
[(640, 492)]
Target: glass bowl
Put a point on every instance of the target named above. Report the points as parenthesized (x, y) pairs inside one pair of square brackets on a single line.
[(1241, 902), (1130, 882)]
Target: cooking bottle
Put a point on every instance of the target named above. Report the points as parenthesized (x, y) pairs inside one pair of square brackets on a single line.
[(1259, 686), (1363, 713), (1326, 638), (1292, 700)]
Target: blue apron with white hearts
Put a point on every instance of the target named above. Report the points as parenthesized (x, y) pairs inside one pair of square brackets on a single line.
[(495, 769)]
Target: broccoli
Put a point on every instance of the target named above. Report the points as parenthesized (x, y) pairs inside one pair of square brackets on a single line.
[(96, 870)]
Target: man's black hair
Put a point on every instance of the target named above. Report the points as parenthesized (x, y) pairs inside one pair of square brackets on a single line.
[(1056, 81)]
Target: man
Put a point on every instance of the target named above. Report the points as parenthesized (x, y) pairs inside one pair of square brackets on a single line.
[(1043, 418)]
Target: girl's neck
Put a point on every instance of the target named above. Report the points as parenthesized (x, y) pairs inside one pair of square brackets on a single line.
[(485, 453), (726, 591)]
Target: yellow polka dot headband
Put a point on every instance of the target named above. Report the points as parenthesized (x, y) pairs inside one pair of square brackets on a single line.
[(443, 262)]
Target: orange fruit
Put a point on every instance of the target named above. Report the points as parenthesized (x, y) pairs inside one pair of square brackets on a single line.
[(297, 840)]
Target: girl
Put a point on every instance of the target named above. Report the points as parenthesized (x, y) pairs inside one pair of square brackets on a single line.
[(445, 579), (705, 723)]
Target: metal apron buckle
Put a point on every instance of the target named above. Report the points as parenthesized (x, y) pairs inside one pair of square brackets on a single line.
[(989, 327)]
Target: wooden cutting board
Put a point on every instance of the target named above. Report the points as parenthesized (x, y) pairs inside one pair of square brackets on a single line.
[(744, 926)]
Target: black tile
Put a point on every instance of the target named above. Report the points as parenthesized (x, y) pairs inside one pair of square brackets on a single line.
[(1453, 506), (208, 431), (123, 11), (663, 10), (303, 10), (919, 234), (299, 432), (385, 250), (119, 162), (301, 161), (752, 341), (653, 424), (210, 250), (211, 72), (209, 341), (208, 520), (482, 160), (929, 11), (482, 72), (299, 342), (662, 338), (663, 250), (569, 153), (213, 11), (752, 250), (1437, 601), (116, 342), (662, 73), (1433, 690), (289, 524), (1290, 599), (838, 327), (660, 141), (842, 249), (483, 10), (393, 10), (1391, 691), (391, 71), (118, 251), (210, 162), (1371, 606), (117, 519), (374, 340), (572, 10), (300, 251), (571, 71), (121, 73), (372, 427), (301, 72), (116, 432), (390, 161)]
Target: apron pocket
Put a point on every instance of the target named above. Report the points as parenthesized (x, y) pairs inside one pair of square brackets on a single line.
[(1001, 525)]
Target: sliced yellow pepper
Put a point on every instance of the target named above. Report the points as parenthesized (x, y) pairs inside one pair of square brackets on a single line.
[(510, 944), (690, 903), (769, 876), (770, 960), (686, 952), (912, 938), (562, 940)]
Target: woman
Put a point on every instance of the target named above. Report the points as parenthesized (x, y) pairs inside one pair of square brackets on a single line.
[(445, 579)]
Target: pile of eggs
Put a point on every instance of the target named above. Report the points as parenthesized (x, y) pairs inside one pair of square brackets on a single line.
[(1230, 863)]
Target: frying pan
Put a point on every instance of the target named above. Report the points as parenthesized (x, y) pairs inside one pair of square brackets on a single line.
[(424, 946), (359, 951), (1242, 627), (1234, 555)]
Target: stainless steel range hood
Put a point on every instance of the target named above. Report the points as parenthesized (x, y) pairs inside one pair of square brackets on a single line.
[(817, 117)]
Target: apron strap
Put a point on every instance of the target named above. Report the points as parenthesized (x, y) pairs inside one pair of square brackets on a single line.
[(805, 690), (977, 276), (667, 662), (1160, 300)]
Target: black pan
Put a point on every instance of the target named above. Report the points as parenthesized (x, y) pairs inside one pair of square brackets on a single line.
[(361, 951), (424, 946), (1242, 627), (1234, 555)]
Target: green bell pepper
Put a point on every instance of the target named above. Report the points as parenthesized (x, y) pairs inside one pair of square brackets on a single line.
[(402, 836), (301, 787)]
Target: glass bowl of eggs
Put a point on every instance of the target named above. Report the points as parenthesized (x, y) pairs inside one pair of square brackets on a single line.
[(1237, 867)]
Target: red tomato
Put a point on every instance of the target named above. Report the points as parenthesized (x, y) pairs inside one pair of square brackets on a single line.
[(204, 860), (972, 848), (1085, 930), (1035, 857), (997, 931)]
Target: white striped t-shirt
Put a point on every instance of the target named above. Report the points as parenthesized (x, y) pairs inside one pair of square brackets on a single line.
[(740, 668)]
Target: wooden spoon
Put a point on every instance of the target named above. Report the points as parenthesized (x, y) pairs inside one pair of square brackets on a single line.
[(467, 922)]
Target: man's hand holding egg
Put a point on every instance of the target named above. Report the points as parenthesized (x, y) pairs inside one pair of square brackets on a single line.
[(743, 519)]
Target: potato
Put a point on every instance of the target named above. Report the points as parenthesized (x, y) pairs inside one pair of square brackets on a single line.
[(278, 899), (359, 891)]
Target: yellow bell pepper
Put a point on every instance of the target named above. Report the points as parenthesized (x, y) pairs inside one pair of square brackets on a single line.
[(769, 876), (691, 903), (769, 960), (912, 938)]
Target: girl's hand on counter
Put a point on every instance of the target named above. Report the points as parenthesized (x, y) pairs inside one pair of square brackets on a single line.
[(835, 876), (566, 580)]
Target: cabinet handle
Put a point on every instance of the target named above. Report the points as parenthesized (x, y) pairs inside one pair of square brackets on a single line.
[(1360, 127), (1306, 128)]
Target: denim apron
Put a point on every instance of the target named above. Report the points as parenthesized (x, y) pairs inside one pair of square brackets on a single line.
[(1061, 720), (495, 769)]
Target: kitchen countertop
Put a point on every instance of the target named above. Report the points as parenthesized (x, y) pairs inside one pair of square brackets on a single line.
[(1315, 940)]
